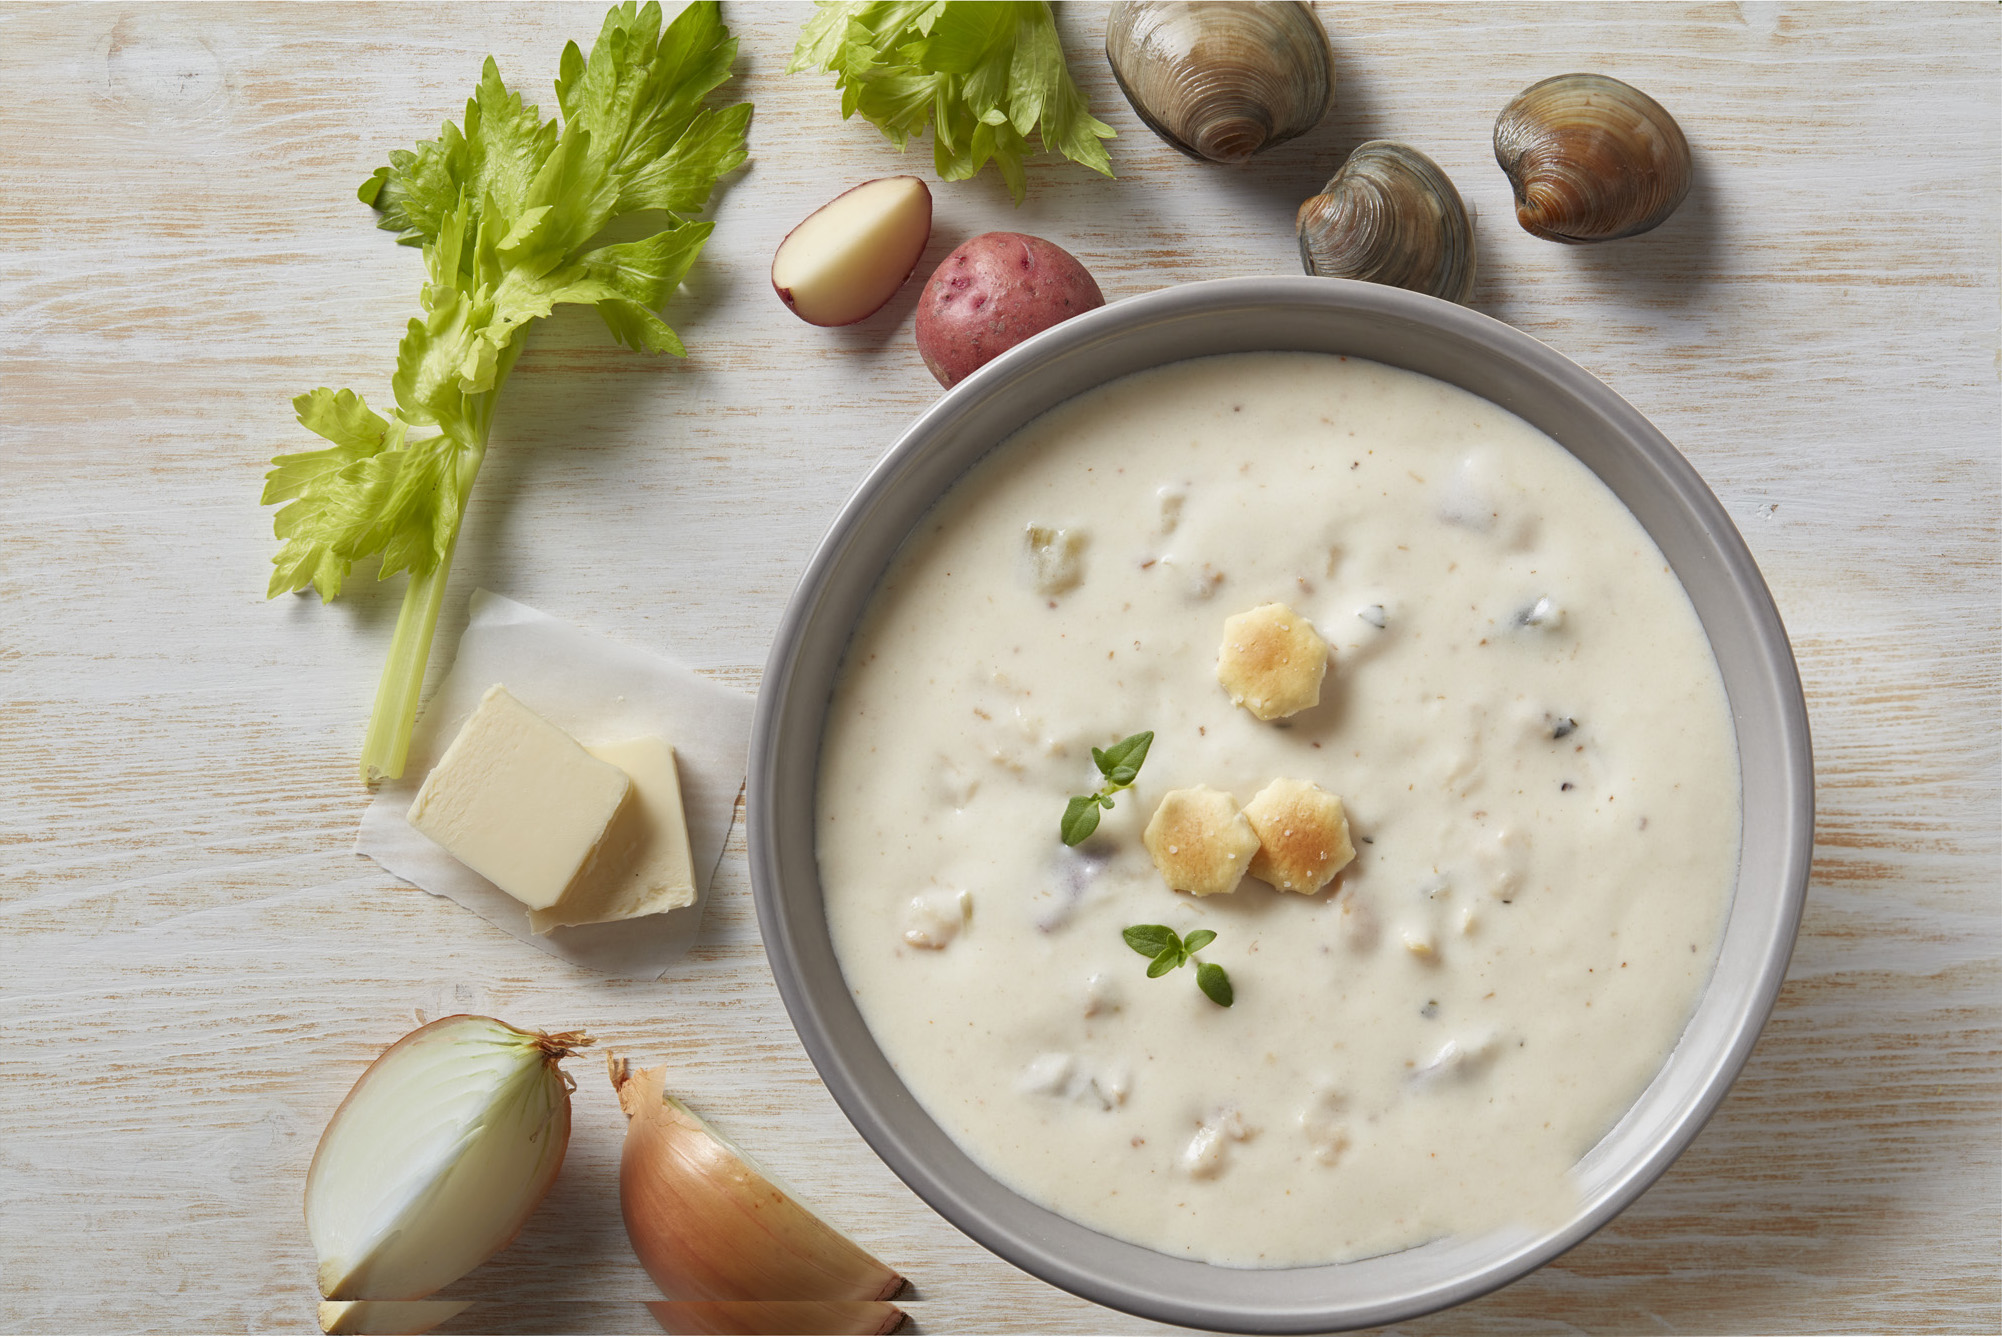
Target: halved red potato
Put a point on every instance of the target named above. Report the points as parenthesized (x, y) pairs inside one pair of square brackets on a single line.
[(852, 254)]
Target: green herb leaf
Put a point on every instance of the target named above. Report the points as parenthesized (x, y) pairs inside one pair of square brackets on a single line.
[(1151, 939), (505, 208), (1080, 818), (1127, 754), (1120, 765), (984, 75), (1169, 950)]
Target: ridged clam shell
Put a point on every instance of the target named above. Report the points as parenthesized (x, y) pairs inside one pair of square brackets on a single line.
[(1591, 158), (1390, 216), (1222, 81)]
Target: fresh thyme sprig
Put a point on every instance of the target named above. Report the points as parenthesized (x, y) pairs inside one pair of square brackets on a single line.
[(1170, 951), (1120, 765)]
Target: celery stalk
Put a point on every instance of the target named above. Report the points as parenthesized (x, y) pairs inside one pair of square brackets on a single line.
[(506, 207)]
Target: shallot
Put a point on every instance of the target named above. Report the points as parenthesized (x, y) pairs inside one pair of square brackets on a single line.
[(709, 1226)]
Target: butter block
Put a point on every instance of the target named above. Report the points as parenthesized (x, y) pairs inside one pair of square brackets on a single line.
[(519, 802), (643, 865)]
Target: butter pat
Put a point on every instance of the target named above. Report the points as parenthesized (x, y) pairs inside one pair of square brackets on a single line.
[(516, 800), (643, 865)]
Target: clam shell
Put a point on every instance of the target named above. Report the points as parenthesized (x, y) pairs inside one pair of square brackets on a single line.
[(1591, 158), (1390, 216), (1222, 81)]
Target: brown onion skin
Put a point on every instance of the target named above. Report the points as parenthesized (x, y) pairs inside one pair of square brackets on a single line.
[(709, 1227), (777, 1318)]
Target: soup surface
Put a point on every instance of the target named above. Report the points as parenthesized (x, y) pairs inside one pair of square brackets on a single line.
[(1521, 715)]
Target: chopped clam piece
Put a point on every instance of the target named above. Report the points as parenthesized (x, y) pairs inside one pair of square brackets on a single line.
[(1203, 581), (1457, 1061), (1467, 498), (1046, 1075), (1374, 615), (1504, 861), (1075, 871), (1101, 994), (1052, 910), (934, 918), (1545, 613), (954, 785), (1203, 1157), (1461, 757), (1111, 1084), (1065, 1077), (1359, 925), (1325, 1123)]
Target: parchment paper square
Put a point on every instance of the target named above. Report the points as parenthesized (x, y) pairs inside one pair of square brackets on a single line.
[(597, 691)]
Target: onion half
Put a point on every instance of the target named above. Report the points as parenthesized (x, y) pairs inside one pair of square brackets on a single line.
[(709, 1226), (437, 1156)]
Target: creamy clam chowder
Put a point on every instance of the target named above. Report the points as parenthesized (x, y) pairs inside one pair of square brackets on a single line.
[(1522, 718)]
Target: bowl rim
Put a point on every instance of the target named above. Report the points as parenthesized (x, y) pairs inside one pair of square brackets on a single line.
[(1028, 1240)]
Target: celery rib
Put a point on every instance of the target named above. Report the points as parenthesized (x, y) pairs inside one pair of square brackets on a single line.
[(507, 208), (388, 742)]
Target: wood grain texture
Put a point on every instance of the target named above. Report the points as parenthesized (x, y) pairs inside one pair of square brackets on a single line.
[(194, 968)]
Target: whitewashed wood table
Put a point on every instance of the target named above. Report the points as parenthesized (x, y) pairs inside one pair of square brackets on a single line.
[(194, 966)]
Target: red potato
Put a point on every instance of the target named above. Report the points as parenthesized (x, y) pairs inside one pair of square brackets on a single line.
[(851, 254), (993, 292)]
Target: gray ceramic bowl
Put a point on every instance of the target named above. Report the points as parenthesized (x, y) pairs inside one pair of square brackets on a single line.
[(1405, 330)]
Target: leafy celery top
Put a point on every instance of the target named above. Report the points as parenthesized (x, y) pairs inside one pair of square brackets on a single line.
[(984, 74), (506, 209)]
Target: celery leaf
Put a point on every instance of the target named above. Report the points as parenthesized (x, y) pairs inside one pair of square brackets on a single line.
[(983, 76), (494, 159), (508, 208)]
